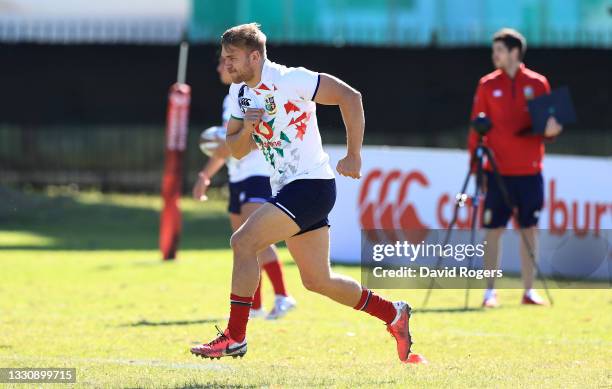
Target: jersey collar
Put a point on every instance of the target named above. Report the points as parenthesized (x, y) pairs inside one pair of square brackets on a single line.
[(518, 73), (264, 73)]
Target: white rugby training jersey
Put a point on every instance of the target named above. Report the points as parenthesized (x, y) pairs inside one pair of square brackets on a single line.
[(253, 164), (288, 135)]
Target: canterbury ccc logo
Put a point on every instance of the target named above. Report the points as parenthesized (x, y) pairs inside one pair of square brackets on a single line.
[(384, 205), (243, 102)]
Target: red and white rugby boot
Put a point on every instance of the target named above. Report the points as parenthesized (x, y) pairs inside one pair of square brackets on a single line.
[(531, 297), (400, 330), (222, 346)]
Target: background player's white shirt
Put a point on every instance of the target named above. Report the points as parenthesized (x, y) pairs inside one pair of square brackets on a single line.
[(253, 164), (288, 135)]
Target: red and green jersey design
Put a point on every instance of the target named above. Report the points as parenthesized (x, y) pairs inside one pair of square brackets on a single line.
[(288, 135)]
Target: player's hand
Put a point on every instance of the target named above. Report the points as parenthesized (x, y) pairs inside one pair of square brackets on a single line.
[(252, 118), (553, 128), (200, 187), (350, 166)]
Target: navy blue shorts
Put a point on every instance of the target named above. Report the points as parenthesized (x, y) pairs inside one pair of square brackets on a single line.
[(308, 202), (525, 192), (255, 189)]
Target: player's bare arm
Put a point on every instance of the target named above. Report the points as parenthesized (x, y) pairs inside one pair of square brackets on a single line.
[(213, 165), (333, 91), (238, 139)]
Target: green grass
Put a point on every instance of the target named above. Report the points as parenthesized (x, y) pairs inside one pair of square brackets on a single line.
[(82, 285)]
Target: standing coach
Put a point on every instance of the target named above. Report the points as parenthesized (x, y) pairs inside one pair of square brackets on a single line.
[(502, 96)]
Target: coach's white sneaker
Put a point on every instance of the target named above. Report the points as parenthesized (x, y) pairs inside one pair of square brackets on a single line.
[(490, 299), (531, 297), (257, 313), (282, 305)]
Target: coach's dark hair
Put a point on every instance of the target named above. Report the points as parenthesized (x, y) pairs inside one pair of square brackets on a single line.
[(511, 39), (247, 36)]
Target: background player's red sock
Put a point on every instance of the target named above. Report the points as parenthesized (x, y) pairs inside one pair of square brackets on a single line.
[(377, 306), (239, 316), (257, 297), (275, 273)]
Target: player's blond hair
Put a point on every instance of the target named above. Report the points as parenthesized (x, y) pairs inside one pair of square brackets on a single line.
[(247, 36)]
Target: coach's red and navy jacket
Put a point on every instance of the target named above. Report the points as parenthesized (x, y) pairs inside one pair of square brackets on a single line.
[(504, 101)]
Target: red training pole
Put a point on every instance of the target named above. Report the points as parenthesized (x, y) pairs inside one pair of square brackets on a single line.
[(177, 121)]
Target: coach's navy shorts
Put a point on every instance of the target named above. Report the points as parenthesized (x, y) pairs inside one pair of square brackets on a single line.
[(525, 192), (255, 189), (308, 202)]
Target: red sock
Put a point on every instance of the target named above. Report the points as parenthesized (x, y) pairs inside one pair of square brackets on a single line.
[(257, 297), (275, 273), (239, 316), (376, 306)]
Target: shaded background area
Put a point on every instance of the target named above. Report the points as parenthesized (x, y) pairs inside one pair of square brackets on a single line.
[(57, 220), (95, 114), (405, 90), (85, 88)]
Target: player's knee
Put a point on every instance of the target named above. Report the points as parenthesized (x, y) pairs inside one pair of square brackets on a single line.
[(242, 242)]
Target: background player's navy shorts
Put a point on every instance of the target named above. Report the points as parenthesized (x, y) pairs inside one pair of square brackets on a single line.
[(255, 189), (308, 202), (525, 192)]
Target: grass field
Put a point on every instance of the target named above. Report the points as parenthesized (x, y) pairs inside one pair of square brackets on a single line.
[(82, 285)]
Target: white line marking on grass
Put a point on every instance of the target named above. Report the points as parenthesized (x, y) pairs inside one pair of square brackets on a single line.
[(127, 362)]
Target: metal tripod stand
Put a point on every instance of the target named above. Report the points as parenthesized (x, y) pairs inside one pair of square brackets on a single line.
[(482, 125)]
